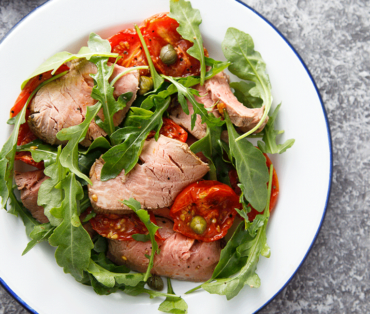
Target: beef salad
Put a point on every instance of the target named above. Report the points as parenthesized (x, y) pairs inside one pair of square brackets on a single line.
[(144, 160)]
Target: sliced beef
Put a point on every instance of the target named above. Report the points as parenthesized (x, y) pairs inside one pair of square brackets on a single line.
[(62, 103), (29, 183), (166, 168), (179, 258), (217, 90)]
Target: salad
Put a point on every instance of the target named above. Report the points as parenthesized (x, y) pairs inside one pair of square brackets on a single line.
[(144, 160)]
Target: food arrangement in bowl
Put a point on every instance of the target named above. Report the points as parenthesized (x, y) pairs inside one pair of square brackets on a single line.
[(144, 160)]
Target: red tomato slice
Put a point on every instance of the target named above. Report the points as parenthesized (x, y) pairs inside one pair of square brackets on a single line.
[(120, 227), (234, 180), (158, 31), (215, 202), (172, 130)]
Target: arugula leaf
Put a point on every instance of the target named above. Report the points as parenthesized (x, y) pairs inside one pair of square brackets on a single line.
[(39, 233), (73, 241), (100, 246), (247, 64), (74, 135), (99, 288), (125, 155), (40, 151), (253, 247), (110, 279), (7, 153), (97, 47), (152, 228), (269, 144), (49, 196), (189, 20), (139, 289), (104, 262), (100, 142), (251, 167), (242, 93), (175, 305), (16, 208), (141, 237), (157, 79)]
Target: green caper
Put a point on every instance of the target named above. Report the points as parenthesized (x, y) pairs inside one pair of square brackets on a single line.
[(155, 282), (198, 224), (146, 84), (168, 54)]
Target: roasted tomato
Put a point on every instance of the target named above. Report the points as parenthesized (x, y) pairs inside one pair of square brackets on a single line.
[(205, 210), (119, 227), (158, 31), (172, 130), (234, 180), (25, 135)]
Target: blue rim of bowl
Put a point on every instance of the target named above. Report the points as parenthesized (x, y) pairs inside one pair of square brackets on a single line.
[(24, 304)]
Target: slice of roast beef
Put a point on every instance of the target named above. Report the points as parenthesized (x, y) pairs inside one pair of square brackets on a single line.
[(217, 90), (166, 167), (180, 257), (62, 103), (28, 184)]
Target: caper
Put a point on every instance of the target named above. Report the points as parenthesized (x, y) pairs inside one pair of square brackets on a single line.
[(198, 224), (146, 84), (155, 282), (168, 54)]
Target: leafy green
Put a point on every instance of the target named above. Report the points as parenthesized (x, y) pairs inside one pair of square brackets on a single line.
[(74, 135), (139, 289), (40, 151), (54, 62), (175, 305), (39, 233), (8, 151), (242, 93), (269, 144), (250, 246), (251, 167), (247, 64), (189, 20), (100, 142), (157, 79), (104, 262), (152, 228), (125, 155), (100, 246), (73, 241)]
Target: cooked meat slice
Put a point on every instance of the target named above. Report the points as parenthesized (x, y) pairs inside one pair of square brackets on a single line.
[(167, 167), (162, 212), (217, 90), (63, 102), (179, 258), (29, 183)]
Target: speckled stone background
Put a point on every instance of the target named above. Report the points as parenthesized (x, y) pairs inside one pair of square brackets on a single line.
[(333, 38)]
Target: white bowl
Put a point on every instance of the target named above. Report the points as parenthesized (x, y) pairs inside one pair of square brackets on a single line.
[(304, 170)]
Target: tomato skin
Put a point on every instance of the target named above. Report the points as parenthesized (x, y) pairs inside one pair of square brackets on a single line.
[(212, 200), (25, 134), (120, 227), (158, 31), (172, 130)]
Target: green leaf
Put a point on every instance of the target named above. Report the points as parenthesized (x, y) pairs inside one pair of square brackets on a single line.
[(141, 237), (189, 20), (139, 289), (175, 305), (39, 233), (40, 151), (126, 155), (16, 208), (242, 93), (157, 79), (50, 197), (100, 246), (75, 134), (8, 151), (100, 142), (110, 279), (97, 47), (152, 228), (104, 262), (247, 64), (73, 241), (269, 144), (251, 167)]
